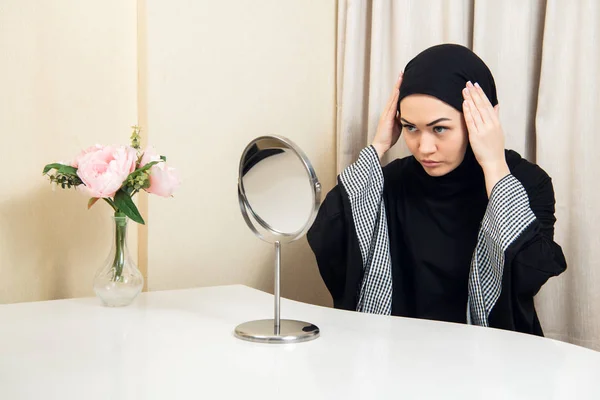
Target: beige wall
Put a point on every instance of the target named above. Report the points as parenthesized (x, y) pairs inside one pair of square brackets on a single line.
[(218, 75), (67, 81), (212, 76)]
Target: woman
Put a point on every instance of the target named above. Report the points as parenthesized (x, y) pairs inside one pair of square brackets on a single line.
[(462, 230)]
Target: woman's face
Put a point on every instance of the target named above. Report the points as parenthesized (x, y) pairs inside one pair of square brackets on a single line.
[(435, 133)]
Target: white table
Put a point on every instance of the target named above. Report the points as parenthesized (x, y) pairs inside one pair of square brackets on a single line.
[(180, 345)]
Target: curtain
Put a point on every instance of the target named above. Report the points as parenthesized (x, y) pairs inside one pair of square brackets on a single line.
[(545, 58)]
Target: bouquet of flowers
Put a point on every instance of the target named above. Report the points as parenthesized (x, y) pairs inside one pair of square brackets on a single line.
[(116, 174)]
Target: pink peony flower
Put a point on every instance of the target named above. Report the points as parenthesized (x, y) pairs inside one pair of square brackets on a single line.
[(164, 180), (103, 169), (90, 149)]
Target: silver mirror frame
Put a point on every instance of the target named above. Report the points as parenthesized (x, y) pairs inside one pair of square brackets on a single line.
[(277, 330), (246, 209)]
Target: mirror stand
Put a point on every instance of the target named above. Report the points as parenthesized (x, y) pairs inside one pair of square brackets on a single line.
[(277, 330), (279, 195)]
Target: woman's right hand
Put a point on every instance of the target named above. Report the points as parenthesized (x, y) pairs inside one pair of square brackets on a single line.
[(388, 129)]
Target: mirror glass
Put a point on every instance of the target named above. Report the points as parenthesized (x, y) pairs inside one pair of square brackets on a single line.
[(278, 188)]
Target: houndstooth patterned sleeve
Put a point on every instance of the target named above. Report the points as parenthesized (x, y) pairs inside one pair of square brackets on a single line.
[(507, 216), (363, 182)]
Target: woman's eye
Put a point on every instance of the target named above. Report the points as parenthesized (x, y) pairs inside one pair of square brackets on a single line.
[(409, 128), (440, 129)]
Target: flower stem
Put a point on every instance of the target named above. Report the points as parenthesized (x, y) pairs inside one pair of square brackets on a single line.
[(120, 237), (112, 204)]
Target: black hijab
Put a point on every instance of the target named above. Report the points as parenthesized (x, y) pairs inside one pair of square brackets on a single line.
[(443, 71), (434, 221)]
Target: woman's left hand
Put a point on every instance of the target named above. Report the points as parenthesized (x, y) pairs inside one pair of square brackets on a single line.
[(485, 134)]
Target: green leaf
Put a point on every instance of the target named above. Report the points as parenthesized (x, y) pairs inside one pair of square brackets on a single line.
[(146, 167), (142, 169), (48, 167), (126, 205), (163, 158), (60, 168), (68, 170), (92, 201)]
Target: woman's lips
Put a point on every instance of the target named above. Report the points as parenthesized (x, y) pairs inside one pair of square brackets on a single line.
[(430, 163)]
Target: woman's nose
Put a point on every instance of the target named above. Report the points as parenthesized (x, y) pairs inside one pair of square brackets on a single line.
[(427, 144)]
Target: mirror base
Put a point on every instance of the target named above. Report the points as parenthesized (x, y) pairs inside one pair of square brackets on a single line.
[(263, 331)]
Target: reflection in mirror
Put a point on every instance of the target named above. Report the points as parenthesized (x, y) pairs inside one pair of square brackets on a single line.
[(277, 189)]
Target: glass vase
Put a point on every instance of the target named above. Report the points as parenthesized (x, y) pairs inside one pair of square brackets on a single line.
[(118, 282)]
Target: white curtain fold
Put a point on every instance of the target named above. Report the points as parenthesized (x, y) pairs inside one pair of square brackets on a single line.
[(567, 122), (545, 57)]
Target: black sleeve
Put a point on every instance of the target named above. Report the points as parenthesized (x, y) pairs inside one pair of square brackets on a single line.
[(343, 251), (531, 260), (333, 240), (535, 256)]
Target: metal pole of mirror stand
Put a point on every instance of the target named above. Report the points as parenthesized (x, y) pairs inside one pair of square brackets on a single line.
[(277, 293), (277, 330)]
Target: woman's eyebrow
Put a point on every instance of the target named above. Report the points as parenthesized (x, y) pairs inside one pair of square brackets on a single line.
[(438, 120), (429, 124)]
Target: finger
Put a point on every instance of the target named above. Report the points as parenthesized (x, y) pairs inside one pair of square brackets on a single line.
[(479, 124), (491, 110), (497, 110), (481, 100), (393, 102), (391, 110), (469, 120), (399, 81), (395, 94), (483, 95), (478, 102), (468, 95)]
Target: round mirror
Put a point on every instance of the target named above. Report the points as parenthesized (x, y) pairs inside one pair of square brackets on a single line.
[(279, 192), (279, 196)]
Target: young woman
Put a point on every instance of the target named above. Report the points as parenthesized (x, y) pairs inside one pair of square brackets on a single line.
[(460, 231)]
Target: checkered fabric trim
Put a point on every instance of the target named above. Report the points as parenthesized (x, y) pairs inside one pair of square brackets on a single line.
[(508, 214), (363, 182)]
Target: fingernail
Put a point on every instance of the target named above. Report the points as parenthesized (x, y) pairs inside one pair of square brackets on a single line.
[(469, 84), (477, 85)]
